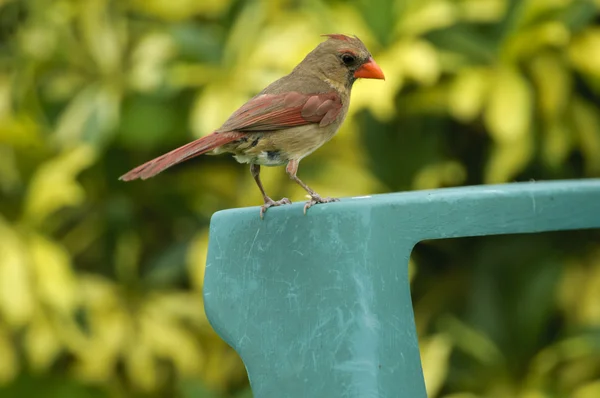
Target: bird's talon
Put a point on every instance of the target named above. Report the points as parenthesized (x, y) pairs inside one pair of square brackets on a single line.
[(273, 203), (315, 199)]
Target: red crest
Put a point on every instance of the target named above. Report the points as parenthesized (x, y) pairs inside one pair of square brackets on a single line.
[(338, 36)]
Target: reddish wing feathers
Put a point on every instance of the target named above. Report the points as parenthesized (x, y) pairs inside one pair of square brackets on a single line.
[(267, 112), (270, 112), (188, 151)]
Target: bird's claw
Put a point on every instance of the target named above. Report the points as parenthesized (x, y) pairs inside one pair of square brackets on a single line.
[(314, 199), (271, 203)]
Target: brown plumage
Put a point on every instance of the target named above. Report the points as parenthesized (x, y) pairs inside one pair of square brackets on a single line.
[(288, 120)]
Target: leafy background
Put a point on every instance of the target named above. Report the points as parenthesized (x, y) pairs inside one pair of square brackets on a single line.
[(100, 281)]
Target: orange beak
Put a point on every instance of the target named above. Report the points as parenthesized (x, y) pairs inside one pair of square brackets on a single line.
[(369, 70)]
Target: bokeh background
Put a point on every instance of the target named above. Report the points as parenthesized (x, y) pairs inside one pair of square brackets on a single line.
[(100, 281)]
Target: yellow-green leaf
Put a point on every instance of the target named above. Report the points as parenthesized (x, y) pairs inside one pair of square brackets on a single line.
[(54, 184), (424, 16), (553, 84), (586, 121), (482, 10), (589, 390), (102, 35), (9, 364), (508, 118), (420, 62), (140, 366), (506, 160), (149, 59), (557, 143), (16, 296), (41, 343), (109, 334), (584, 51), (175, 10), (435, 356), (167, 335), (196, 259), (468, 93), (508, 114), (55, 282)]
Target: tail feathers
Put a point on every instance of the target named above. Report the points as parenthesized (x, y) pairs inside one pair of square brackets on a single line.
[(181, 154)]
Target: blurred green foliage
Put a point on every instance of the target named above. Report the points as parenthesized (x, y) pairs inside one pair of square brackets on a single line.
[(100, 281)]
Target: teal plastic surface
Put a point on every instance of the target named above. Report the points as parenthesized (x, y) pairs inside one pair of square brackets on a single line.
[(319, 305)]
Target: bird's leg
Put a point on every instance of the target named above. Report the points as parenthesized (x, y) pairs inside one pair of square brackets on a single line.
[(292, 169), (255, 171)]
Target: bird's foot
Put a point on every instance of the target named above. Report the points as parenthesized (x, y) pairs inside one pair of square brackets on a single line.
[(316, 198), (271, 203)]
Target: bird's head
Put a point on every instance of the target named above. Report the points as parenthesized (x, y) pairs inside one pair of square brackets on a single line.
[(343, 59)]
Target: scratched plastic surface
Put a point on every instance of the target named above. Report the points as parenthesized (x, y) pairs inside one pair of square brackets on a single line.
[(319, 305)]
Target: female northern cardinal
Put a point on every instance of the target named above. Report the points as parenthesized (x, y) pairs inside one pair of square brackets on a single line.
[(288, 120)]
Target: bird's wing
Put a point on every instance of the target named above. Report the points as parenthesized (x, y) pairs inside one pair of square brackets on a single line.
[(269, 112)]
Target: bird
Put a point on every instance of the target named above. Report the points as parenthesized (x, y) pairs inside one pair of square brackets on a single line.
[(287, 121)]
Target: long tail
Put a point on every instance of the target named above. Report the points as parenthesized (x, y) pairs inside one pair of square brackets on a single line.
[(181, 154)]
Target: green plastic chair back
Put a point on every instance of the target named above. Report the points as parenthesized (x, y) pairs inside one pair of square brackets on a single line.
[(319, 305)]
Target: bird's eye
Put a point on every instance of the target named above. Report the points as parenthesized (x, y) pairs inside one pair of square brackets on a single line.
[(348, 59)]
